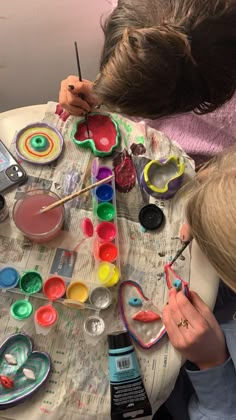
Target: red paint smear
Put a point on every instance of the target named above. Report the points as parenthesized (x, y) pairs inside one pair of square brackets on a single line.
[(101, 127), (6, 382), (44, 410), (146, 316)]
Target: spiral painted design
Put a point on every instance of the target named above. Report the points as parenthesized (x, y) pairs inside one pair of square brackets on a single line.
[(39, 143)]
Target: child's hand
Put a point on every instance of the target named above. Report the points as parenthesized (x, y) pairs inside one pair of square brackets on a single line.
[(185, 234), (199, 338), (76, 97)]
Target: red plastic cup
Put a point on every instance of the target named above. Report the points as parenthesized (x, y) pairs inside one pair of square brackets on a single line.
[(106, 231), (107, 252), (54, 287)]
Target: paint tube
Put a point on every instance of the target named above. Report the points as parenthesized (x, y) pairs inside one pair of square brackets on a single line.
[(128, 395)]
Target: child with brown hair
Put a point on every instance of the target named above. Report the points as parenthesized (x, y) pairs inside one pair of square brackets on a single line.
[(161, 58), (209, 341)]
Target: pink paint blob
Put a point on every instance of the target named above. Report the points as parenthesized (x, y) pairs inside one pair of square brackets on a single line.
[(102, 129), (35, 226), (106, 231), (87, 227)]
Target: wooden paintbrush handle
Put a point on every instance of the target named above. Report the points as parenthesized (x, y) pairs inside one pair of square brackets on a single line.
[(75, 194)]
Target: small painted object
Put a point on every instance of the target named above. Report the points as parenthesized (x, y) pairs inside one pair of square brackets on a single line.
[(163, 178), (177, 284), (135, 301), (6, 382), (39, 143), (16, 386), (87, 227), (172, 277), (146, 316), (125, 174), (151, 217), (10, 359), (104, 134), (29, 374)]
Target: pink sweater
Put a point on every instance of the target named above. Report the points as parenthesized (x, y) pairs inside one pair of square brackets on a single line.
[(201, 136)]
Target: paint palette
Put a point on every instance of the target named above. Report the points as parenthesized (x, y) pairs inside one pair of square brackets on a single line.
[(106, 244), (104, 134), (39, 143), (22, 370)]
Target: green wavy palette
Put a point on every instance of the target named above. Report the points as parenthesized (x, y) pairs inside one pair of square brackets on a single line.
[(21, 347)]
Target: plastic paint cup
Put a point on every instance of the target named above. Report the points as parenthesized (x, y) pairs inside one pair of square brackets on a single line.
[(31, 282), (94, 326), (77, 291), (100, 297), (21, 309), (106, 231), (106, 211), (104, 193), (45, 319), (54, 287), (34, 225), (9, 278), (103, 172), (108, 274), (107, 252)]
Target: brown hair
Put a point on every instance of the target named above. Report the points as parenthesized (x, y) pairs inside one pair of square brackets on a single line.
[(211, 214), (164, 57)]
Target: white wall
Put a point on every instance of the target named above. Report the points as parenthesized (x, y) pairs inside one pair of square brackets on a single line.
[(37, 46)]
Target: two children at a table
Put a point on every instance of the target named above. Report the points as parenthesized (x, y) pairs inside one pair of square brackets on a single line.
[(160, 58)]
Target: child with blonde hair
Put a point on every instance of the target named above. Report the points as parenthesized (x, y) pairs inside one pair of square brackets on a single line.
[(205, 340)]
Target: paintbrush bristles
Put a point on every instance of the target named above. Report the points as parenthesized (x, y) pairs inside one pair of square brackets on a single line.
[(75, 194), (179, 252)]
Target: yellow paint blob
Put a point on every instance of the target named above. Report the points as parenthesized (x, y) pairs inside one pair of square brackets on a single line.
[(108, 274), (77, 291)]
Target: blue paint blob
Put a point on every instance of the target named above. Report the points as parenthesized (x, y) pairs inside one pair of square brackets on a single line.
[(135, 302), (177, 284), (104, 192), (9, 278)]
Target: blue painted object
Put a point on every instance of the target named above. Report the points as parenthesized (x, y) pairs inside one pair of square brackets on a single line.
[(177, 284), (135, 302), (9, 278)]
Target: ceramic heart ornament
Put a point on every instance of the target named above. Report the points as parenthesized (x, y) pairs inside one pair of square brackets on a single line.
[(140, 316), (22, 370)]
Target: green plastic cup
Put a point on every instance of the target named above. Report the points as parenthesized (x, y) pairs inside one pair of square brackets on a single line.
[(106, 211), (31, 282), (21, 309)]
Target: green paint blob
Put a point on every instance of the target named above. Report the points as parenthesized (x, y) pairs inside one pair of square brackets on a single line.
[(140, 139), (31, 282), (39, 142), (21, 309), (106, 211)]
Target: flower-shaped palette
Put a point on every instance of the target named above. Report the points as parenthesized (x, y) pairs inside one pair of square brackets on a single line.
[(104, 134), (22, 370)]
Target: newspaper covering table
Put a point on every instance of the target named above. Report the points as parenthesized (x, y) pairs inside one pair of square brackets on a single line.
[(79, 385)]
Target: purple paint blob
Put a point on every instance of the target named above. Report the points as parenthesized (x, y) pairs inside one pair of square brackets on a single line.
[(103, 172)]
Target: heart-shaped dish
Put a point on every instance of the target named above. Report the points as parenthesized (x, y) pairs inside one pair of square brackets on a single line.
[(20, 347)]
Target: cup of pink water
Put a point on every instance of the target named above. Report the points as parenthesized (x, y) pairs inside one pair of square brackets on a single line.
[(34, 225)]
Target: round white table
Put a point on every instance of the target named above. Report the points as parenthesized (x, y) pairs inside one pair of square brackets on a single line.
[(203, 278)]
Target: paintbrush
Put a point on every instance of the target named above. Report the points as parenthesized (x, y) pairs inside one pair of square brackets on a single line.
[(74, 195), (81, 95), (179, 252)]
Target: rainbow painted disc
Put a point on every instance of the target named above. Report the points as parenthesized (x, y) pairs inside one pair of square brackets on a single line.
[(39, 143)]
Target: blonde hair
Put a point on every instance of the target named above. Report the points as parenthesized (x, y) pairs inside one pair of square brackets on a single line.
[(211, 214)]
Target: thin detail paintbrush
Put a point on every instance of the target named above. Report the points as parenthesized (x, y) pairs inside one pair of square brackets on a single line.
[(81, 95)]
